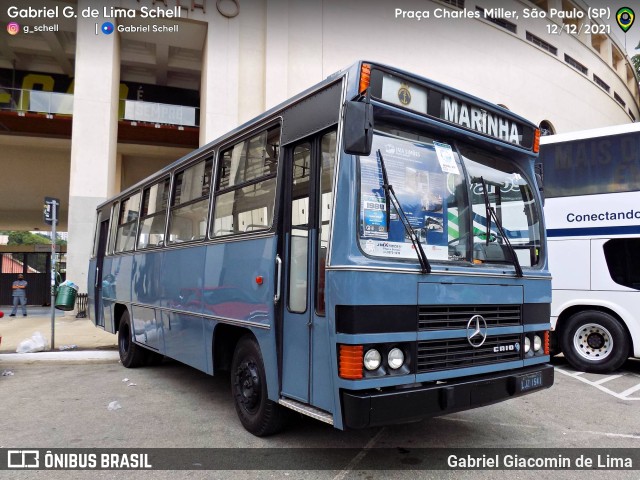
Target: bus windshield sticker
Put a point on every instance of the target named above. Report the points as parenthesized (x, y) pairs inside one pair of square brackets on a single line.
[(375, 217), (445, 157), (419, 180)]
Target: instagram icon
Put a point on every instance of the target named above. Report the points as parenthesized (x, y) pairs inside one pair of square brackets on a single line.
[(13, 28)]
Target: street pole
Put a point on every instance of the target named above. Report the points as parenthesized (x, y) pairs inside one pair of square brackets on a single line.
[(54, 217)]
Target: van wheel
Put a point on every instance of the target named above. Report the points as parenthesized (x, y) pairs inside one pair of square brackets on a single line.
[(257, 413), (131, 355), (595, 342)]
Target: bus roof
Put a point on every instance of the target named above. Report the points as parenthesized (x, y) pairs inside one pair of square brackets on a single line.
[(454, 91)]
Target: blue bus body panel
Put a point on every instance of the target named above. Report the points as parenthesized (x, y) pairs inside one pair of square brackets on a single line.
[(436, 292), (146, 329), (230, 271), (322, 360), (232, 296), (208, 285)]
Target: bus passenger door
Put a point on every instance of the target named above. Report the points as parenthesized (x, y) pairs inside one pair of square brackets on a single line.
[(303, 257), (103, 233), (296, 325)]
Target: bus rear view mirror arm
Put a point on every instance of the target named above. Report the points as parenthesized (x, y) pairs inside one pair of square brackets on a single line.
[(358, 127), (539, 173)]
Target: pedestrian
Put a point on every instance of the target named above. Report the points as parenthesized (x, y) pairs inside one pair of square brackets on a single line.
[(19, 295)]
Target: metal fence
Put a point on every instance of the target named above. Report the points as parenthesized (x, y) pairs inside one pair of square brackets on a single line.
[(36, 270), (36, 101), (82, 301)]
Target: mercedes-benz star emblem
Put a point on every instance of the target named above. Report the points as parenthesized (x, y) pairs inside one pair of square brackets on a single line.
[(476, 331)]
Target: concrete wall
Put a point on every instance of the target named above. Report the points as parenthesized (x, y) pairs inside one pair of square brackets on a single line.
[(31, 170)]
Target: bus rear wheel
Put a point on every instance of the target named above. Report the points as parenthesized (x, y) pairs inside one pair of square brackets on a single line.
[(595, 342), (131, 355), (257, 413)]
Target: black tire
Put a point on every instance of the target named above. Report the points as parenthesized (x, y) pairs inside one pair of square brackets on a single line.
[(131, 355), (257, 413), (594, 342)]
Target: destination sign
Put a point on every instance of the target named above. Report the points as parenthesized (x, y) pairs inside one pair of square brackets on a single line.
[(480, 120), (457, 110)]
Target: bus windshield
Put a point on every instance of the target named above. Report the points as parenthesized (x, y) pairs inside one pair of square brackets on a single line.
[(510, 196), (433, 189)]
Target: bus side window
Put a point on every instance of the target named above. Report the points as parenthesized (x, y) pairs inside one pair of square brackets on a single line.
[(622, 256), (246, 185), (300, 190), (190, 202), (96, 238), (127, 223), (115, 209), (153, 214)]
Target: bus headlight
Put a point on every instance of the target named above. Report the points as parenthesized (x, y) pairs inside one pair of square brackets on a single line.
[(527, 345), (395, 358), (537, 343), (372, 359)]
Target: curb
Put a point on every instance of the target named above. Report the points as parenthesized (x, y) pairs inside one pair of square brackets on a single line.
[(87, 356)]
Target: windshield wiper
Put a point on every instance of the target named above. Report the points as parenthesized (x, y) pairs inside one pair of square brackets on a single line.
[(390, 196), (492, 213)]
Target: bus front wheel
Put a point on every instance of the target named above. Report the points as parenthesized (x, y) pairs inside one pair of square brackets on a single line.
[(257, 413), (594, 341), (131, 355)]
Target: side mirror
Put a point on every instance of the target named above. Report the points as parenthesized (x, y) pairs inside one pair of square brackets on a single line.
[(358, 128)]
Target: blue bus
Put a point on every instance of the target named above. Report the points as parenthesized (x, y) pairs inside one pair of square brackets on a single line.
[(370, 252)]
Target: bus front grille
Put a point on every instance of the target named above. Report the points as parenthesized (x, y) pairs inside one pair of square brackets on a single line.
[(454, 353), (456, 317)]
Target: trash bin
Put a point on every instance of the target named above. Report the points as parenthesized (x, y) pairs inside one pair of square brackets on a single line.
[(66, 296)]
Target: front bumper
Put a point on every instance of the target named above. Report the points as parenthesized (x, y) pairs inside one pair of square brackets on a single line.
[(376, 408)]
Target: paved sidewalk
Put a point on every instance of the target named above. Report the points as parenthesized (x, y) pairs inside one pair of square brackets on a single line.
[(69, 331), (82, 356)]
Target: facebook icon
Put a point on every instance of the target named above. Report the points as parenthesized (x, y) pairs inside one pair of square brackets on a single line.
[(107, 28)]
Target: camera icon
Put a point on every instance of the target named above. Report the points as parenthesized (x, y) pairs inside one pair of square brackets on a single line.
[(13, 28)]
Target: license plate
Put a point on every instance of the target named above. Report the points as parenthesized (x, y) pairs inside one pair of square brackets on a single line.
[(531, 381)]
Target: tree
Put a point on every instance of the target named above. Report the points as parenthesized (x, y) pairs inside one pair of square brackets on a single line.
[(27, 238), (636, 64)]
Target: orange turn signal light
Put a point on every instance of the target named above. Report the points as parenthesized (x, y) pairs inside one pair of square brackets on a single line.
[(350, 361), (536, 141), (546, 342), (365, 77)]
